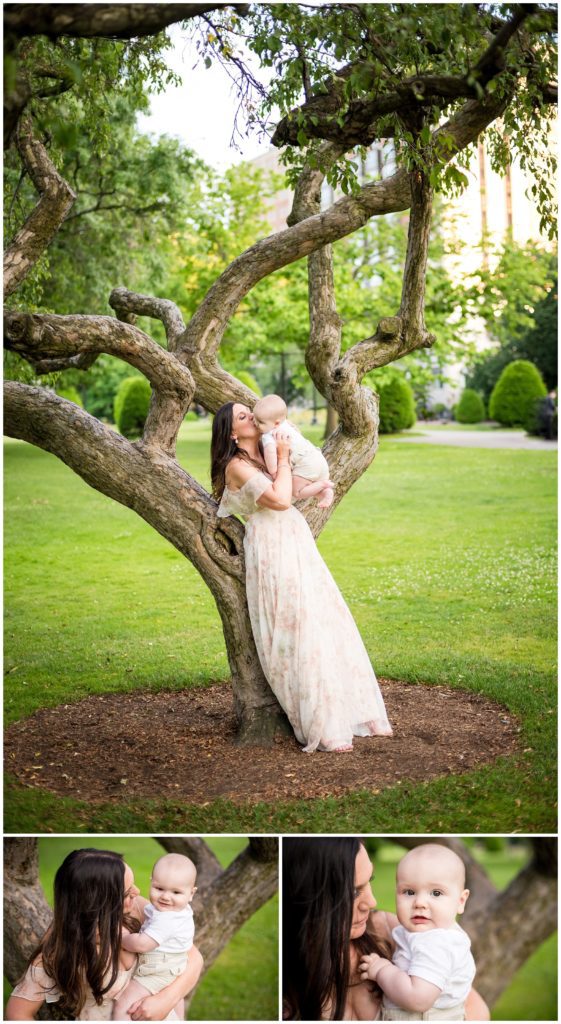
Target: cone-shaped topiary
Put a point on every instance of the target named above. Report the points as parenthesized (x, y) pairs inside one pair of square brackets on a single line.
[(397, 406), (71, 394), (514, 397), (131, 406), (470, 408)]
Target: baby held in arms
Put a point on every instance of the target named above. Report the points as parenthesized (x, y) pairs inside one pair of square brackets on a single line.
[(432, 969), (310, 472), (166, 935)]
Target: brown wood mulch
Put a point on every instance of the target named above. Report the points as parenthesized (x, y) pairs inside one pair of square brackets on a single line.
[(181, 744)]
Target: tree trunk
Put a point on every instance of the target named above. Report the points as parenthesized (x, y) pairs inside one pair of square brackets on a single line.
[(511, 926)]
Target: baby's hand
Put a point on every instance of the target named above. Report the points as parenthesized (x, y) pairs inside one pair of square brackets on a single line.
[(370, 965)]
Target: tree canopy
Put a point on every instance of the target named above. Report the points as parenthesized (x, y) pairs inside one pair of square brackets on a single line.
[(432, 78)]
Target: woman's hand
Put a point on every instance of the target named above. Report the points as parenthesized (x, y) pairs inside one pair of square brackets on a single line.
[(149, 1008), (283, 445)]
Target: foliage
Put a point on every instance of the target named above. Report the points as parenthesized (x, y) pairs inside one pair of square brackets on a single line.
[(131, 406), (518, 303), (508, 285), (539, 343), (249, 380), (514, 396), (71, 394), (346, 53), (397, 406), (470, 408)]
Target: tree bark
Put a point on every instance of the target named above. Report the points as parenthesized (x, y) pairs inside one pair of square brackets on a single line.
[(44, 221), (114, 21)]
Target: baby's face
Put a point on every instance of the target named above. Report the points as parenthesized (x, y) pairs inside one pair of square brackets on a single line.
[(170, 889), (430, 892), (265, 424)]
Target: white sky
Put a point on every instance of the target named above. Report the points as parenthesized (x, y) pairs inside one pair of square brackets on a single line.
[(201, 110)]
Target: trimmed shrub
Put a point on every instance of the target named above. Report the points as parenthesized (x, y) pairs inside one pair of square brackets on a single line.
[(397, 406), (131, 406), (515, 395), (470, 408), (71, 394), (246, 378)]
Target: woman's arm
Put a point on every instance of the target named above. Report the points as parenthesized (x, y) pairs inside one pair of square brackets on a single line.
[(476, 1007), (157, 1007), (278, 496), (22, 1009)]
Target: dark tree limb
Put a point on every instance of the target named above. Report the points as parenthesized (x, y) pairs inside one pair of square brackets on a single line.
[(48, 341), (510, 927), (45, 220), (326, 116), (129, 305), (206, 328), (243, 887), (114, 21)]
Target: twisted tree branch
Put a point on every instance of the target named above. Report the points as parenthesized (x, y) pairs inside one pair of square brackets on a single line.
[(49, 341), (44, 221), (114, 21)]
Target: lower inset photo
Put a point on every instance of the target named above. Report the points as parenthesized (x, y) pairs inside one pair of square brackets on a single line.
[(141, 928), (419, 928)]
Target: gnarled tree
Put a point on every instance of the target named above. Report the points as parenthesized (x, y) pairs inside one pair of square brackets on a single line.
[(434, 81), (225, 898)]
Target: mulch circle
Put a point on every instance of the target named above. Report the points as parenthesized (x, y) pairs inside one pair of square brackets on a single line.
[(181, 744)]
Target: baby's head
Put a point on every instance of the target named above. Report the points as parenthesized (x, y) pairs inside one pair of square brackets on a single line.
[(172, 885), (430, 888), (268, 412)]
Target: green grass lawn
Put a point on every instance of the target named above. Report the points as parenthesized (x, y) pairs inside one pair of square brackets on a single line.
[(242, 984), (446, 557), (532, 994)]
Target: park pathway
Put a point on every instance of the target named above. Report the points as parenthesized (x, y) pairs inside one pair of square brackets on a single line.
[(516, 439)]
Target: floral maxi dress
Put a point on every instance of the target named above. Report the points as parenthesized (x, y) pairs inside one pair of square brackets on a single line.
[(308, 644)]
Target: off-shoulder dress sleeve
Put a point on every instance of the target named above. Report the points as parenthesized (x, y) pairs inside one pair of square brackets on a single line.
[(244, 501), (36, 985)]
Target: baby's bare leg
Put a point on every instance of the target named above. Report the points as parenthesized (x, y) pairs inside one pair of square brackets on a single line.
[(133, 992), (302, 488)]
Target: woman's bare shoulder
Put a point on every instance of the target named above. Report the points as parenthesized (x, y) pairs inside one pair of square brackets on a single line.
[(138, 907), (238, 472)]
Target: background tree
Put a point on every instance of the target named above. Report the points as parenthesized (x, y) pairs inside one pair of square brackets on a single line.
[(431, 78), (225, 898), (522, 318), (506, 926)]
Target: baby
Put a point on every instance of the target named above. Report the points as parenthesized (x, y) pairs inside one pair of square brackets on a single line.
[(166, 935), (432, 969), (310, 472)]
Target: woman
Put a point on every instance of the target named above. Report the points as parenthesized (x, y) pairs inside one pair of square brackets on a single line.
[(329, 921), (79, 963), (308, 644)]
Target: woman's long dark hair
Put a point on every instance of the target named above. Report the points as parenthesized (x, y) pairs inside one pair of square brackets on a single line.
[(318, 896), (81, 949), (223, 449)]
